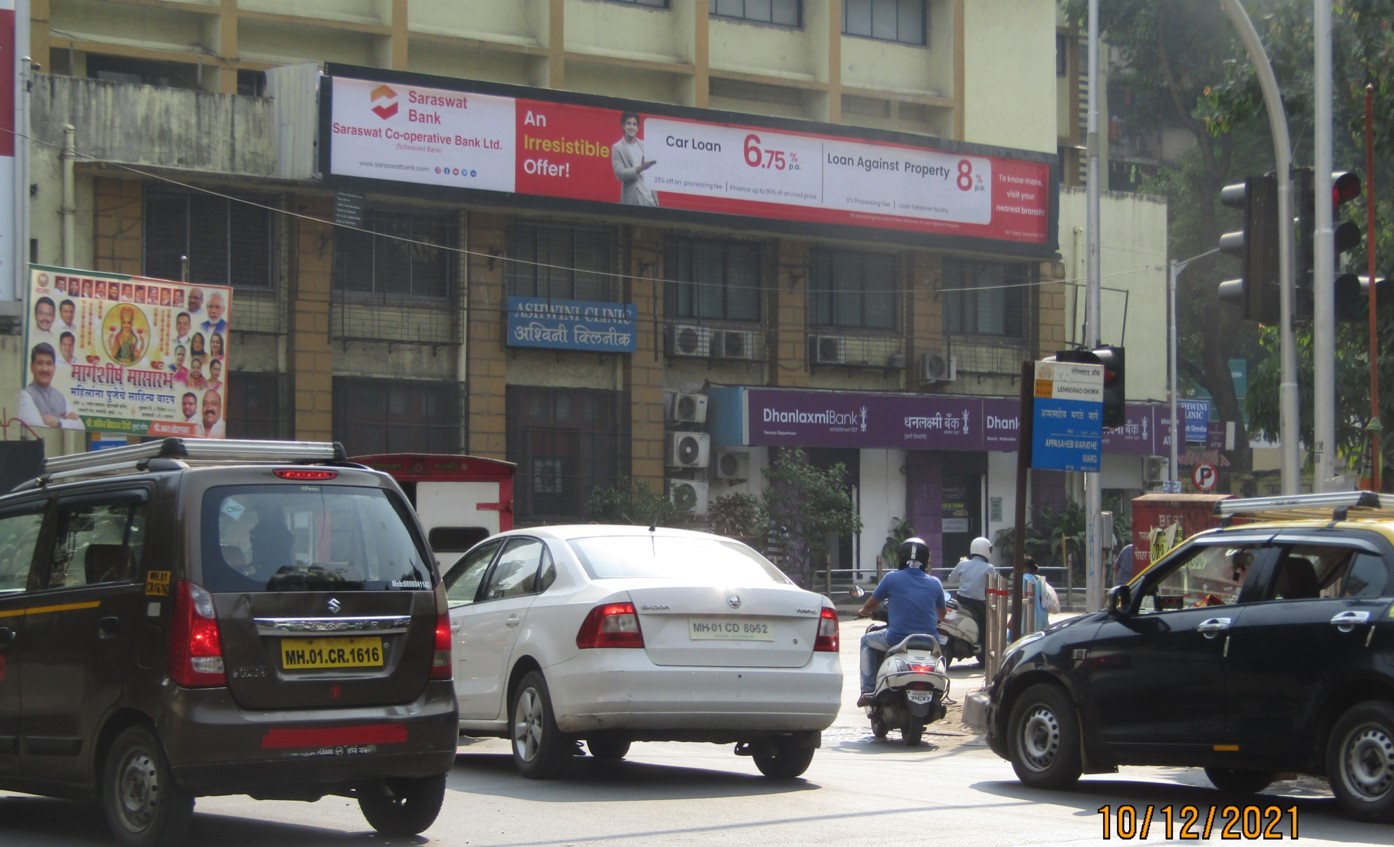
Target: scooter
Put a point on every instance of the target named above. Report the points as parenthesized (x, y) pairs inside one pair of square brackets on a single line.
[(911, 685), (958, 635)]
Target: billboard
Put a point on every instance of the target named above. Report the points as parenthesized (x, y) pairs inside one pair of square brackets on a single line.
[(125, 354), (530, 143)]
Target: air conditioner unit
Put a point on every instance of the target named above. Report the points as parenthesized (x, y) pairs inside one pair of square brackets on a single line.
[(828, 349), (688, 449), (689, 408), (733, 344), (690, 495), (937, 367), (732, 463), (689, 340)]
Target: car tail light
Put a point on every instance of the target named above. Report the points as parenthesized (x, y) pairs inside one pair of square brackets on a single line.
[(610, 625), (304, 475), (827, 640), (195, 648), (440, 659)]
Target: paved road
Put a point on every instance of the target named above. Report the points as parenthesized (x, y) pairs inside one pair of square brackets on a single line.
[(859, 790)]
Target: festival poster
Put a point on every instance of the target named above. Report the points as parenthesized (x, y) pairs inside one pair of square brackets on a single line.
[(126, 355)]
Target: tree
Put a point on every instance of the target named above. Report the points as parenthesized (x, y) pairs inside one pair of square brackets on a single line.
[(810, 508), (631, 502)]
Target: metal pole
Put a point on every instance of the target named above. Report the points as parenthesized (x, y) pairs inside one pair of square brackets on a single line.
[(1282, 156), (1375, 427), (1173, 371), (1093, 500), (1324, 264)]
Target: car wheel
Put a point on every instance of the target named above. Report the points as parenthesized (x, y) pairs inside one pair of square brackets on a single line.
[(1360, 761), (879, 728), (785, 758), (911, 735), (609, 748), (1239, 780), (143, 805), (539, 749), (403, 806), (1043, 738)]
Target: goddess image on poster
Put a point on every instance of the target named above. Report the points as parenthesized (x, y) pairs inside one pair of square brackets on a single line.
[(126, 331)]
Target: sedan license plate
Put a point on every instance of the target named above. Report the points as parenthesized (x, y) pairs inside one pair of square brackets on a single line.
[(919, 696), (729, 629), (310, 653)]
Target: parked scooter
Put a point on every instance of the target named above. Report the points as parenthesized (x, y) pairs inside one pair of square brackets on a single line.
[(959, 636), (911, 685)]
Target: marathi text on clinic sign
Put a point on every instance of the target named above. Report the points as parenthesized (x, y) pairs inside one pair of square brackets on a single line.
[(451, 134)]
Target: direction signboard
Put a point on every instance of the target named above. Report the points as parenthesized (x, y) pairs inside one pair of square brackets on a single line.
[(1067, 425)]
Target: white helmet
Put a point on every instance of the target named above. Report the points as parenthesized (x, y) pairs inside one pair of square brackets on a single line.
[(980, 547)]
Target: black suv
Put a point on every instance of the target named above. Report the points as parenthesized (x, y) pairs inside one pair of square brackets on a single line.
[(1249, 650), (186, 618)]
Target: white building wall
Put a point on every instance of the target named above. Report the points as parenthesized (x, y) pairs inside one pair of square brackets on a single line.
[(882, 490), (1009, 73)]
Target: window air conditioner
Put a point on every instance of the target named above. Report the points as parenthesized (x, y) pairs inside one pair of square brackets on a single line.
[(688, 449), (733, 344), (937, 367), (732, 463), (689, 408), (828, 350), (690, 495), (689, 340)]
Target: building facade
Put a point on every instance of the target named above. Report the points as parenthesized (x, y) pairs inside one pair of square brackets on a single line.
[(197, 141)]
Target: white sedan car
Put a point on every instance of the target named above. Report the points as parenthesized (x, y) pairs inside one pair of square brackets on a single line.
[(615, 634)]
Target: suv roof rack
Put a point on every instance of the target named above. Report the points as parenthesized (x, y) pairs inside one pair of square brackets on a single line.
[(1331, 505), (188, 450)]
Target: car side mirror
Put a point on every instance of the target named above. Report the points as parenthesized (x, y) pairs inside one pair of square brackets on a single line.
[(856, 592), (1120, 599)]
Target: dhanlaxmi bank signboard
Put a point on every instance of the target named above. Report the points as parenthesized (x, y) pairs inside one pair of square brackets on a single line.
[(559, 150)]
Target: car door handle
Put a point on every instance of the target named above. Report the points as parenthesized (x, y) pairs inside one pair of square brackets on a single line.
[(1212, 627), (6, 635), (1349, 619), (513, 620), (108, 627)]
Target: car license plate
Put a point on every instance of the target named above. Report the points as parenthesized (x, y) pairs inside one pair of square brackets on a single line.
[(309, 653), (919, 696), (729, 629)]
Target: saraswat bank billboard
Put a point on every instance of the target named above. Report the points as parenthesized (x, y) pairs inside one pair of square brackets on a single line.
[(554, 150)]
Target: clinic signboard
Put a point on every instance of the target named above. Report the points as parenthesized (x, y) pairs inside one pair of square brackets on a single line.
[(521, 143), (125, 355), (572, 325)]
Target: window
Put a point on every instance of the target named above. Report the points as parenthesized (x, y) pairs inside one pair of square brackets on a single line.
[(782, 12), (98, 542), (562, 262), (255, 410), (143, 71), (653, 4), (396, 252), (566, 442), (227, 238), (1209, 576), (986, 298), (714, 279), (853, 289), (19, 535), (396, 416), (515, 575), (904, 21), (1062, 53)]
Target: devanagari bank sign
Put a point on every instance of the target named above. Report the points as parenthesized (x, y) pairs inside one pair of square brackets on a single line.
[(534, 143), (1067, 422), (125, 354)]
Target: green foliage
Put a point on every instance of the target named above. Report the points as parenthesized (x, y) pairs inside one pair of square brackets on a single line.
[(739, 516), (901, 530), (812, 506), (631, 502)]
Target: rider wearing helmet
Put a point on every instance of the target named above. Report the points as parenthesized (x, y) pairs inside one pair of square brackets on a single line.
[(919, 603), (970, 575)]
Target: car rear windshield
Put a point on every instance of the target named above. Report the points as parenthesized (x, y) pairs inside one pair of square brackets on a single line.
[(721, 561), (309, 538)]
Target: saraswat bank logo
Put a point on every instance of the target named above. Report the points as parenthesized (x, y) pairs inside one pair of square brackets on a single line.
[(384, 101)]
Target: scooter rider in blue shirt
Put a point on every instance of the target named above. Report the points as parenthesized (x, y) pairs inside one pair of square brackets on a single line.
[(919, 603)]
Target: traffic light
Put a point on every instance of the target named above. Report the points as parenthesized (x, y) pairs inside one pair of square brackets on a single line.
[(1114, 414), (1256, 247), (1350, 291), (1112, 359)]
